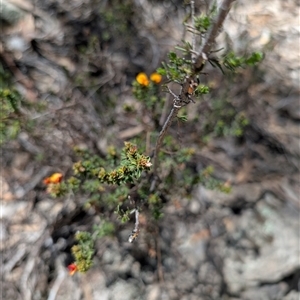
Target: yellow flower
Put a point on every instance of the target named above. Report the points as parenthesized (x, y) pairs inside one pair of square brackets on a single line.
[(142, 79), (155, 77), (54, 178)]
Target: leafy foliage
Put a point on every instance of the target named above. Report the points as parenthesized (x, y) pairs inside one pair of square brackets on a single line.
[(231, 61), (122, 179), (202, 23), (83, 252)]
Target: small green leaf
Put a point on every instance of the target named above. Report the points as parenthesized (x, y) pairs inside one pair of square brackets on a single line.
[(202, 23), (161, 71), (255, 58), (172, 56), (201, 89), (182, 118), (215, 63)]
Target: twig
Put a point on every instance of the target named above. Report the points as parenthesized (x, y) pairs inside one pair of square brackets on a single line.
[(58, 281), (159, 141), (15, 259), (22, 191), (136, 230), (23, 138), (203, 53), (25, 289), (183, 98), (28, 281), (164, 112), (193, 35)]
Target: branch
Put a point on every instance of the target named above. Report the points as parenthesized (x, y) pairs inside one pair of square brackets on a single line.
[(213, 33), (193, 33), (159, 141), (183, 98)]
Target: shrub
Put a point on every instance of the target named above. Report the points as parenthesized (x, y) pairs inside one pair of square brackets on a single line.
[(128, 181)]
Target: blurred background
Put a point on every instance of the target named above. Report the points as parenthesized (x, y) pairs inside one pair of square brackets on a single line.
[(72, 64)]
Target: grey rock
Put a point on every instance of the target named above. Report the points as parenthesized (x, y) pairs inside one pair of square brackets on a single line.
[(194, 206), (267, 292), (153, 292), (10, 13), (292, 295), (275, 233), (123, 290), (147, 277), (249, 192), (185, 281)]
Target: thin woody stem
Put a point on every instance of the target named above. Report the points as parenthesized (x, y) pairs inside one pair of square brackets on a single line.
[(161, 136), (197, 66), (223, 11), (193, 26), (135, 231), (136, 225)]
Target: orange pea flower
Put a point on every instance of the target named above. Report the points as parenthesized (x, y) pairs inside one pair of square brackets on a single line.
[(54, 178), (155, 77), (72, 269), (142, 79)]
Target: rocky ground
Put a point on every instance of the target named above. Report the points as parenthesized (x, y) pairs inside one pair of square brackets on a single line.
[(242, 245)]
